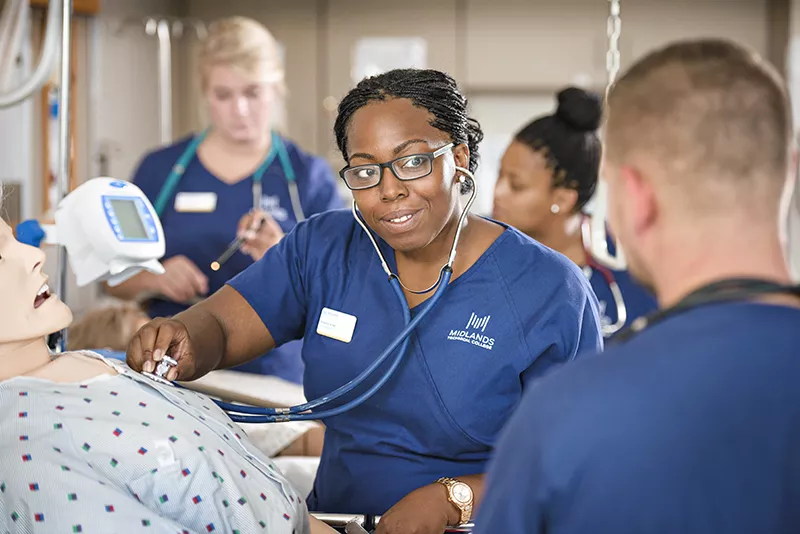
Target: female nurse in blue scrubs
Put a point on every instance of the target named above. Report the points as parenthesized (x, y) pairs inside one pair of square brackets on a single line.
[(547, 175), (232, 176), (513, 310)]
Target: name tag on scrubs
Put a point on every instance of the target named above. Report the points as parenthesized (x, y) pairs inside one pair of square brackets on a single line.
[(336, 325), (195, 202)]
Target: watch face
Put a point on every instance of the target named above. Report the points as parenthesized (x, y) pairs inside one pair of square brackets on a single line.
[(462, 493)]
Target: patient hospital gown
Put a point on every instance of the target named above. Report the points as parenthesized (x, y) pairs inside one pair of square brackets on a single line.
[(126, 454)]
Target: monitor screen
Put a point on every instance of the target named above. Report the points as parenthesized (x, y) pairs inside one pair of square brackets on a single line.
[(130, 222)]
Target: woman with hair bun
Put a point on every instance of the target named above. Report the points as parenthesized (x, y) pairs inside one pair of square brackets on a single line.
[(547, 175)]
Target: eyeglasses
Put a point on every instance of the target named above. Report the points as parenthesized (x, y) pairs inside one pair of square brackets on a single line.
[(404, 168)]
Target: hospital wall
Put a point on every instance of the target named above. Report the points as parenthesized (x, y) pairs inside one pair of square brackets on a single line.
[(115, 111), (509, 56)]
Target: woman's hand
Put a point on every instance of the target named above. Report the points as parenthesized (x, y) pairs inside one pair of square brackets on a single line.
[(182, 280), (423, 511), (160, 337), (260, 232)]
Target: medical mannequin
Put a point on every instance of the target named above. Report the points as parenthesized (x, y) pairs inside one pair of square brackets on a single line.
[(75, 441), (107, 330)]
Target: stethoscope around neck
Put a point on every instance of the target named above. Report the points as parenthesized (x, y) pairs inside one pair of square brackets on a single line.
[(277, 149), (303, 412), (616, 293)]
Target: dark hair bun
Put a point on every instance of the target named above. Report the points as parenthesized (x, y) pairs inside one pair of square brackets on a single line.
[(579, 109)]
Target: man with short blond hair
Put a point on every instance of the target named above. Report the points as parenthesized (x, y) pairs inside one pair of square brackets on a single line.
[(692, 424)]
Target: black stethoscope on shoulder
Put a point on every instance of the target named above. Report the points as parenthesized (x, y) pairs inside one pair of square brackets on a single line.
[(728, 290)]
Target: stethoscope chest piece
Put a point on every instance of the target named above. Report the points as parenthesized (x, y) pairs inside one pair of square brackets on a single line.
[(161, 371)]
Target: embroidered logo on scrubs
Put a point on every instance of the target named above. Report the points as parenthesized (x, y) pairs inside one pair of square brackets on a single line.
[(272, 205), (474, 332)]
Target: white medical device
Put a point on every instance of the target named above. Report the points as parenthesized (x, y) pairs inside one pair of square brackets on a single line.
[(109, 230)]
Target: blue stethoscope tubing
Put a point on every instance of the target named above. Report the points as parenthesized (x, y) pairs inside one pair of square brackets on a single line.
[(278, 415), (278, 148), (252, 414)]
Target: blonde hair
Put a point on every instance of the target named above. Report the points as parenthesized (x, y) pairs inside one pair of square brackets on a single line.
[(110, 327), (246, 45)]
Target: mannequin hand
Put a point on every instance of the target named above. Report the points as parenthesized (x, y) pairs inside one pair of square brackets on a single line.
[(182, 280), (423, 511), (258, 241)]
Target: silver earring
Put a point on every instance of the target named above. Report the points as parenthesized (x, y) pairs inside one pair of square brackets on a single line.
[(554, 208)]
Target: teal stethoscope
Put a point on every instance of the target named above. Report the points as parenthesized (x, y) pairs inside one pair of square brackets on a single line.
[(277, 149)]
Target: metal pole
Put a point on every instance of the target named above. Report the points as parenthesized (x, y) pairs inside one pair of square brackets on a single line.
[(64, 143), (165, 80)]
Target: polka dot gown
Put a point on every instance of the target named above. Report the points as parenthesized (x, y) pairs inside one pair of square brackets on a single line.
[(126, 454)]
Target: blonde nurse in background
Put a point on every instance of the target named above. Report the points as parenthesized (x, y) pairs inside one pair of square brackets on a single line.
[(205, 186)]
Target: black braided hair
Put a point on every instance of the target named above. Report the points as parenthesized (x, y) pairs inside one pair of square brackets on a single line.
[(568, 140), (429, 89)]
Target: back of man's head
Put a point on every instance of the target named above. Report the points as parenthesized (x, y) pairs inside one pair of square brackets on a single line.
[(709, 121)]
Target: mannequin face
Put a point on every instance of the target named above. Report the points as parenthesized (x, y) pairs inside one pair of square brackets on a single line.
[(24, 316)]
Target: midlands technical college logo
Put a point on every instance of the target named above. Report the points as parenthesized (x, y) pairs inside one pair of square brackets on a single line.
[(474, 333)]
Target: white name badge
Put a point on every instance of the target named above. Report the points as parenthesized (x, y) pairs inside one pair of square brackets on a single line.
[(195, 202), (336, 325)]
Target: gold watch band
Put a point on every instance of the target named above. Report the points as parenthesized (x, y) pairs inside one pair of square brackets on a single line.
[(464, 508)]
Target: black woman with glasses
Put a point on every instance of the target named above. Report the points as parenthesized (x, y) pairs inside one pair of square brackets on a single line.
[(510, 309)]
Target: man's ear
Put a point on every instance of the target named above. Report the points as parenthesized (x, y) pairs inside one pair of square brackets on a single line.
[(638, 193)]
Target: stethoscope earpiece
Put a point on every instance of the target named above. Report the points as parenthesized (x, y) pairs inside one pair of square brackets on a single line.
[(466, 178)]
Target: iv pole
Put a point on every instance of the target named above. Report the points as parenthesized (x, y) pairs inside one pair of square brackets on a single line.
[(33, 83), (62, 184), (164, 28)]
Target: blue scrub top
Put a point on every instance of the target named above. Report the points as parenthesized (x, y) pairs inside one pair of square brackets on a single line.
[(517, 312), (638, 301), (693, 426), (202, 237)]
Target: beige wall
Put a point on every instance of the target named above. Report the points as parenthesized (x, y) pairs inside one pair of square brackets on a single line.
[(116, 105), (531, 45), (349, 20), (523, 49), (491, 46), (293, 23), (125, 107)]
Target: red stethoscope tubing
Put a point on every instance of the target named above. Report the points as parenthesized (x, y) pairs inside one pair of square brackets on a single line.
[(616, 293)]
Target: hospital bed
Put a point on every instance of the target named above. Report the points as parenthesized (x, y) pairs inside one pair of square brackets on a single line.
[(272, 392), (268, 392), (367, 523)]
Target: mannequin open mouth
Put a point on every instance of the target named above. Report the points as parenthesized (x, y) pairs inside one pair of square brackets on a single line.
[(41, 296)]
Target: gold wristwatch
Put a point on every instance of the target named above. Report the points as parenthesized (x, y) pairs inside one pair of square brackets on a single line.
[(460, 495)]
